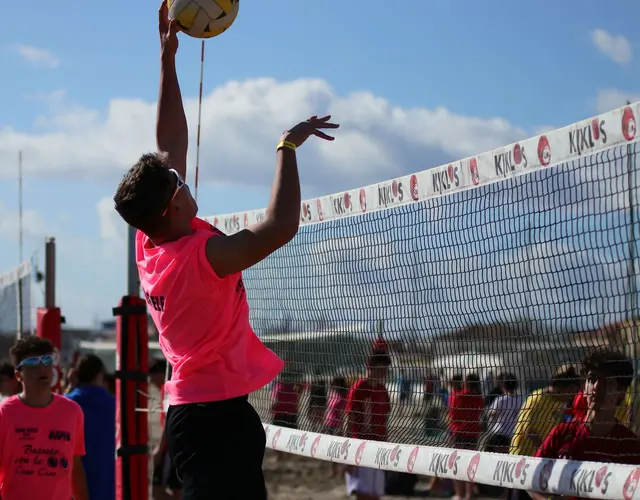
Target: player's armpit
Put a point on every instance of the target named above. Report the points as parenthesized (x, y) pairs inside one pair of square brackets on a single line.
[(240, 251)]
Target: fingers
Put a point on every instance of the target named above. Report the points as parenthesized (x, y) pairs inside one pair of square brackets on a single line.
[(174, 27), (322, 135), (163, 15)]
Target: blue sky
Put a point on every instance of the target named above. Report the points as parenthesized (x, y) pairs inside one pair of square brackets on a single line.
[(415, 86)]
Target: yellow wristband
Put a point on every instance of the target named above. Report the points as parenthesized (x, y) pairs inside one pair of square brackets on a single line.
[(286, 144)]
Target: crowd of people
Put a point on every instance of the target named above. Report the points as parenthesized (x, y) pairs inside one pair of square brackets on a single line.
[(584, 413)]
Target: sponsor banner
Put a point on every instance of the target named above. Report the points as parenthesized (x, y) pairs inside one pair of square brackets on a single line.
[(615, 128), (16, 274), (553, 477)]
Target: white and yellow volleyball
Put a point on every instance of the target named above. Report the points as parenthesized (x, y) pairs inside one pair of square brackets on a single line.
[(204, 18)]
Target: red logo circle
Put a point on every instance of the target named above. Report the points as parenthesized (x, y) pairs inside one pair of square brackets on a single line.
[(628, 124), (544, 151), (413, 187)]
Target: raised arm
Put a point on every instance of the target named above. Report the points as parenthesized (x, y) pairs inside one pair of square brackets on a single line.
[(231, 254), (172, 136)]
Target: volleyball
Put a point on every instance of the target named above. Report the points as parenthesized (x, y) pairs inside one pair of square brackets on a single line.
[(203, 18)]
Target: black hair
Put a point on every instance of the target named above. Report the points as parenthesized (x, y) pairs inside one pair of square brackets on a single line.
[(7, 370), (29, 346), (509, 381), (472, 381), (88, 367), (566, 377), (610, 364), (144, 193)]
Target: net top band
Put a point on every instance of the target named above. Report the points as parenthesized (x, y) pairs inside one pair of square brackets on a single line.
[(584, 138)]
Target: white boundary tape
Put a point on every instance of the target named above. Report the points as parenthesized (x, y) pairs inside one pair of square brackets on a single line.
[(584, 138), (553, 477)]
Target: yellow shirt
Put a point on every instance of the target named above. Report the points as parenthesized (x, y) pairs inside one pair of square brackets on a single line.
[(625, 410), (540, 413)]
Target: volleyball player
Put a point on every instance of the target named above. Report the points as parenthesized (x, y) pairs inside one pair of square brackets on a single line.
[(191, 277)]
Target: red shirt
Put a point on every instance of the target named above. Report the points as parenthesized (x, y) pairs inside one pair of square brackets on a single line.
[(579, 406), (465, 412), (572, 441), (368, 410), (286, 399)]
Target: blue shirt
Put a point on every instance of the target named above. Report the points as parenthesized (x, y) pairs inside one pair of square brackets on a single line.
[(99, 408)]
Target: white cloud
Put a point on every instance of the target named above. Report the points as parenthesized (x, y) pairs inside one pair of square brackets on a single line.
[(110, 224), (33, 224), (609, 99), (616, 48), (36, 56), (241, 121)]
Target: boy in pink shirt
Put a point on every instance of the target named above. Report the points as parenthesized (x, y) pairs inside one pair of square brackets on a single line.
[(190, 274), (41, 433)]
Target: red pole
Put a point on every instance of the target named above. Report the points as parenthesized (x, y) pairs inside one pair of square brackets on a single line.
[(142, 417)]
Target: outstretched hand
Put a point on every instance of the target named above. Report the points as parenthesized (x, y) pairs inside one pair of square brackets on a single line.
[(313, 126), (168, 30)]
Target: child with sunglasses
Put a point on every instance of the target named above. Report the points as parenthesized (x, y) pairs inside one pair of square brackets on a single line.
[(41, 433)]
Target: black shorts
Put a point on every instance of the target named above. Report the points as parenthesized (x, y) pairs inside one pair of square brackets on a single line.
[(217, 449), (164, 474)]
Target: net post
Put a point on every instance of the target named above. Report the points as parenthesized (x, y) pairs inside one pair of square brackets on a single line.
[(142, 417), (131, 378), (133, 279), (50, 272)]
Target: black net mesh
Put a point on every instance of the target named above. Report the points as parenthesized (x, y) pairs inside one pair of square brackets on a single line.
[(512, 280)]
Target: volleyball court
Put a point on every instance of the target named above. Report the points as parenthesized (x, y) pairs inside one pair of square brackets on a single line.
[(494, 276)]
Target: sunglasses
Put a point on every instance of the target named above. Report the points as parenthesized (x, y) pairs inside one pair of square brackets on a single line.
[(179, 185), (33, 361)]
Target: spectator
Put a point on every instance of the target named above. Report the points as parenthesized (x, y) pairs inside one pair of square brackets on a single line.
[(285, 405), (9, 385), (165, 477), (599, 436), (465, 411), (50, 426), (367, 415), (110, 383), (542, 410), (317, 402), (334, 421), (99, 409), (502, 415)]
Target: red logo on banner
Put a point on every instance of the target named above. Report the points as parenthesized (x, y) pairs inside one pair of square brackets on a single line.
[(413, 187), (314, 446), (411, 461), (276, 436), (628, 124), (363, 200), (359, 453), (544, 151), (319, 207), (474, 463), (631, 484), (473, 168)]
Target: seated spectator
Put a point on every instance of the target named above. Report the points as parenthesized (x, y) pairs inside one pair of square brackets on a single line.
[(502, 415), (465, 412), (599, 436), (543, 410), (99, 408)]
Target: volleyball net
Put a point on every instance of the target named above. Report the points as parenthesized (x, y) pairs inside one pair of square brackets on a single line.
[(511, 264), (16, 305)]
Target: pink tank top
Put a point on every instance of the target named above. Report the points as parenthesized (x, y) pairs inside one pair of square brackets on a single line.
[(203, 321)]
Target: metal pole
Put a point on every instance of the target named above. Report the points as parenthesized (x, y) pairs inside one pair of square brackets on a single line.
[(50, 272), (20, 332), (133, 279)]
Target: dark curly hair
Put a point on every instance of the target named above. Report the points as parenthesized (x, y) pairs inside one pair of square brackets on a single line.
[(29, 346), (144, 193), (88, 367), (609, 365)]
